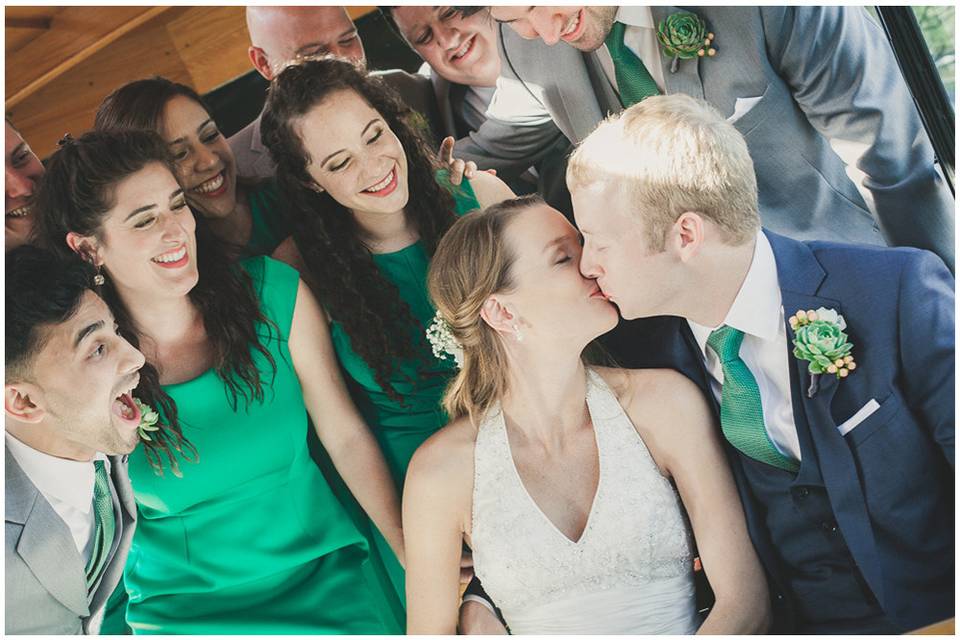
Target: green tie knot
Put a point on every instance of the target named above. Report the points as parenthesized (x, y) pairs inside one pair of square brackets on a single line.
[(726, 342)]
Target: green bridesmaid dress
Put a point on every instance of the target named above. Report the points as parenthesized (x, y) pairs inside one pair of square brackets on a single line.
[(251, 539), (269, 228), (420, 381)]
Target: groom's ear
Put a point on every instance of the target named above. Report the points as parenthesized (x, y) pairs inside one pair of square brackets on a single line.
[(497, 316), (686, 235)]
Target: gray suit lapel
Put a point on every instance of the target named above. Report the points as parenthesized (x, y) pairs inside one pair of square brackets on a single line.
[(687, 77), (45, 543)]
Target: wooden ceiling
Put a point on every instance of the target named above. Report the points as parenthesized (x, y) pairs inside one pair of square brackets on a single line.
[(62, 61)]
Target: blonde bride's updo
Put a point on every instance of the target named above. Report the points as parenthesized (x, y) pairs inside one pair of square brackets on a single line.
[(471, 263)]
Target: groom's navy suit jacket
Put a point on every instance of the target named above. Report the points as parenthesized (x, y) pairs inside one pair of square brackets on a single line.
[(890, 480)]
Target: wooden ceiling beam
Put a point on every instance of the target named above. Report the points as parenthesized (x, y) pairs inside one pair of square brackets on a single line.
[(27, 23), (72, 38)]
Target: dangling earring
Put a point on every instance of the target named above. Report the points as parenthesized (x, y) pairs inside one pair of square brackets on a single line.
[(98, 279), (516, 332)]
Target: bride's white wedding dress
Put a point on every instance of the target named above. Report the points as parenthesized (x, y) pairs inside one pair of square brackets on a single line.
[(632, 569)]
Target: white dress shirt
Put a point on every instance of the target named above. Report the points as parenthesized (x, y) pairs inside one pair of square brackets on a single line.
[(640, 36), (757, 311), (67, 485)]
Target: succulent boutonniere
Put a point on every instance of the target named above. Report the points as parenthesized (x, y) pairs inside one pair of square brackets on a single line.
[(148, 419), (819, 339), (684, 36)]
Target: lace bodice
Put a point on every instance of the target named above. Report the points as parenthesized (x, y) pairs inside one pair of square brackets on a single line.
[(635, 550)]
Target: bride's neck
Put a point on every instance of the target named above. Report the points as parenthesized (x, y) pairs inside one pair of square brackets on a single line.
[(545, 395)]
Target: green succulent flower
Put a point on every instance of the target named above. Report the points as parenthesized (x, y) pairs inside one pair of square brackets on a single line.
[(148, 419), (682, 35), (821, 343)]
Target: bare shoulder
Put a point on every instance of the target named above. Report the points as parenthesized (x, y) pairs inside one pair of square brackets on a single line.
[(490, 189), (287, 252), (445, 459), (617, 379), (663, 398)]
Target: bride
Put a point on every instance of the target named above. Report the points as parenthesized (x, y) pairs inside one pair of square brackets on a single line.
[(573, 485)]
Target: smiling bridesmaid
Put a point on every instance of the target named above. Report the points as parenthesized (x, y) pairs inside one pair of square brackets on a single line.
[(241, 211), (245, 536)]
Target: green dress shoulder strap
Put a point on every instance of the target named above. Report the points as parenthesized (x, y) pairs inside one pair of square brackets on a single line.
[(464, 197)]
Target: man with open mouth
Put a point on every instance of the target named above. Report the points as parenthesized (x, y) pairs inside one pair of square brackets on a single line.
[(70, 421), (22, 172)]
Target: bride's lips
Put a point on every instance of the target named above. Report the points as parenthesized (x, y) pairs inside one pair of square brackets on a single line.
[(598, 293), (384, 187)]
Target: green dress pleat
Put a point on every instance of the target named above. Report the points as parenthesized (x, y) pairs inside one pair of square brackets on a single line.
[(401, 428), (252, 539)]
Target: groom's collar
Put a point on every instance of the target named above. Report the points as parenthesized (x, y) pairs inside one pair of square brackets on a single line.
[(756, 308), (636, 16)]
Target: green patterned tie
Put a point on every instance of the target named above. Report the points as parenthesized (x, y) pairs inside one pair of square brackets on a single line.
[(633, 79), (104, 524), (741, 412)]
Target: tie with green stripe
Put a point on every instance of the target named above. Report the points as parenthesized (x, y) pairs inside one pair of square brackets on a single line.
[(633, 80), (741, 412), (104, 524)]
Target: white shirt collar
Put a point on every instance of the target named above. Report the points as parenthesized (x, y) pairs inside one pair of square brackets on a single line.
[(756, 309), (69, 481), (636, 16)]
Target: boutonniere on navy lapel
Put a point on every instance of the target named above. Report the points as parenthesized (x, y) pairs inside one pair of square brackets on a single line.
[(819, 339), (684, 36)]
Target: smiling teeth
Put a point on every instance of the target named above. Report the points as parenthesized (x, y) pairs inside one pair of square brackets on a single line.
[(380, 186), (573, 25), (172, 257), (19, 212), (462, 51), (212, 184)]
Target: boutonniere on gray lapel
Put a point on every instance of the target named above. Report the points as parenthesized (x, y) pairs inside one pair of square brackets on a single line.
[(684, 36), (819, 339)]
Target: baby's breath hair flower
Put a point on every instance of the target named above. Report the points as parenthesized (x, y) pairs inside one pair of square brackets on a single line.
[(443, 343)]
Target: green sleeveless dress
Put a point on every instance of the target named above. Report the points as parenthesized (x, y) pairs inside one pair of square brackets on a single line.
[(270, 228), (251, 540), (401, 428)]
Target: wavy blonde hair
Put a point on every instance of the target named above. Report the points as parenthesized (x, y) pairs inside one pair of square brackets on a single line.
[(473, 262)]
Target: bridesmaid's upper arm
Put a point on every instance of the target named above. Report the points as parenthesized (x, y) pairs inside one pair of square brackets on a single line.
[(490, 189)]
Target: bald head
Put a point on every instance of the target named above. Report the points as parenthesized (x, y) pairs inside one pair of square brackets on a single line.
[(279, 35)]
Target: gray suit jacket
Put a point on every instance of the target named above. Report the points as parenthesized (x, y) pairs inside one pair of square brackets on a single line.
[(46, 592), (816, 72), (253, 158)]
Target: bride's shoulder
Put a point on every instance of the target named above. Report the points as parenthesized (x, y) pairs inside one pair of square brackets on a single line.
[(647, 385), (447, 455)]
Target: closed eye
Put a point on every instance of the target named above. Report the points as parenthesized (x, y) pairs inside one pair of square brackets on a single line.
[(376, 137), (145, 222)]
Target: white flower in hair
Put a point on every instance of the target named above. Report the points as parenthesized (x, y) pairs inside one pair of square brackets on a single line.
[(442, 341)]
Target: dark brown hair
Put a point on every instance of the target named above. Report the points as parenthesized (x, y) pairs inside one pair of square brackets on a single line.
[(348, 282)]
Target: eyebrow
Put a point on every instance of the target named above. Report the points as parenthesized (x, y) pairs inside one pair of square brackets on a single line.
[(369, 124), (183, 139), (529, 9), (86, 331), (555, 242), (148, 207)]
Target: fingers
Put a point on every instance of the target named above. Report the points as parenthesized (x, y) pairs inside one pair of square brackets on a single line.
[(446, 150), (492, 172), (457, 168)]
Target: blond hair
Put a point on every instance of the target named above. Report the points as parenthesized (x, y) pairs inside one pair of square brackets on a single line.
[(471, 263), (672, 154)]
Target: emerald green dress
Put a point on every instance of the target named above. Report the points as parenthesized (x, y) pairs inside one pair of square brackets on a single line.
[(251, 540), (269, 228), (420, 381)]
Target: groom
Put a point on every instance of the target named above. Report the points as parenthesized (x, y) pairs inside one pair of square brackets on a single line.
[(847, 476)]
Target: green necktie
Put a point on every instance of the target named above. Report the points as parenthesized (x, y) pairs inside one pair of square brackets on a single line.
[(741, 412), (633, 79), (104, 524)]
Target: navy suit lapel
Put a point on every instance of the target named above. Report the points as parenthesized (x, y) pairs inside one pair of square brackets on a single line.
[(686, 79), (800, 276)]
